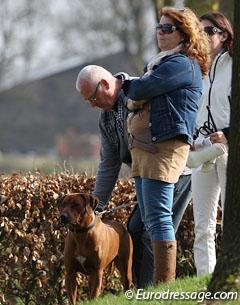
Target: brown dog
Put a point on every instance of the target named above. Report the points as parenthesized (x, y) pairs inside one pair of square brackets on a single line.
[(91, 245)]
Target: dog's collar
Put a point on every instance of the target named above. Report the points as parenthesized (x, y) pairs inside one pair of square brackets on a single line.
[(76, 229)]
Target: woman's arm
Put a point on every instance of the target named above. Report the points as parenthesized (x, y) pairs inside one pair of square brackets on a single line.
[(174, 73)]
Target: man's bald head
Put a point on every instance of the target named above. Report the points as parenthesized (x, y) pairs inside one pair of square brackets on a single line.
[(92, 74), (98, 86)]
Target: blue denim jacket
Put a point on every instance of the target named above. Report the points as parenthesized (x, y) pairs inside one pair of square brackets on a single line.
[(173, 89)]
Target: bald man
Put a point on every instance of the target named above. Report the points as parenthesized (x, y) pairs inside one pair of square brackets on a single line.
[(101, 89)]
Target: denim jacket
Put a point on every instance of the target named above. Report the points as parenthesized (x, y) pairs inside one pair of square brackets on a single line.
[(173, 90)]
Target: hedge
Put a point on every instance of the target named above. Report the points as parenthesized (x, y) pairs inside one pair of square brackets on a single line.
[(32, 238)]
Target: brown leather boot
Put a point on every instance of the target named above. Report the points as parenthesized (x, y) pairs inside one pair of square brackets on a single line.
[(164, 253)]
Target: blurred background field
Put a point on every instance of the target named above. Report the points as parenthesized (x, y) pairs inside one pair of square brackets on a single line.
[(15, 162), (47, 164), (44, 123)]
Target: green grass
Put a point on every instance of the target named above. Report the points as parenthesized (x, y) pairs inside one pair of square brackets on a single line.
[(187, 284), (191, 285)]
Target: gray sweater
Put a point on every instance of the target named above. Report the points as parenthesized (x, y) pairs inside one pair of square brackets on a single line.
[(113, 150)]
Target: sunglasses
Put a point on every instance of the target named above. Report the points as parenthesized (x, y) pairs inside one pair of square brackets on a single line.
[(166, 28), (94, 96), (212, 30)]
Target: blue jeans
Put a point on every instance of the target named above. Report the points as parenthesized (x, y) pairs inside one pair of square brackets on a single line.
[(142, 250), (181, 198), (155, 199), (142, 267)]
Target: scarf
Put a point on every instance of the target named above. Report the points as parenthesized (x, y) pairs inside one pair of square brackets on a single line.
[(156, 59)]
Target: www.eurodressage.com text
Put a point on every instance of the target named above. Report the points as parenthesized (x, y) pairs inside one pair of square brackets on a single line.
[(199, 296)]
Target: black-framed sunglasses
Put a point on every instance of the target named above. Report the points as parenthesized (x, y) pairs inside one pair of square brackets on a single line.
[(166, 28), (94, 96), (212, 30)]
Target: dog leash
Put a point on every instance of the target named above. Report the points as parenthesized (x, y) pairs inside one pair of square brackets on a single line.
[(125, 205)]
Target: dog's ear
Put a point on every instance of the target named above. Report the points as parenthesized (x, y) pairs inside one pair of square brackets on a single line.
[(60, 201), (91, 202)]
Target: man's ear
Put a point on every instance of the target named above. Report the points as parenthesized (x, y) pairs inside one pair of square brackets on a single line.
[(105, 83)]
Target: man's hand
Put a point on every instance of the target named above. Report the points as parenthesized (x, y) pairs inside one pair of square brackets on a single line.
[(100, 207), (123, 76)]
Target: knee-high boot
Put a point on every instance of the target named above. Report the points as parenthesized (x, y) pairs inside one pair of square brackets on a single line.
[(164, 253)]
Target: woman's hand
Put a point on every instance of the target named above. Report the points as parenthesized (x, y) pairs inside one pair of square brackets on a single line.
[(218, 137), (133, 105)]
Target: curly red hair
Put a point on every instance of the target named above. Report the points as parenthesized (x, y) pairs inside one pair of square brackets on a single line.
[(195, 43)]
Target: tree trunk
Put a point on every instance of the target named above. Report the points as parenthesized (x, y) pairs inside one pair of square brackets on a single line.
[(226, 275)]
